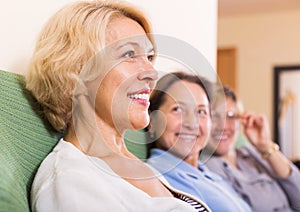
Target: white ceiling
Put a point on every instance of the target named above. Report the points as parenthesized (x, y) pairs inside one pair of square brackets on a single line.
[(240, 7)]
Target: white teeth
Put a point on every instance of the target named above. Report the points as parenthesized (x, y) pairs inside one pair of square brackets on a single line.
[(187, 137), (139, 96), (221, 137)]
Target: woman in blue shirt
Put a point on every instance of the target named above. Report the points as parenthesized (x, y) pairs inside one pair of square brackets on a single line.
[(179, 129)]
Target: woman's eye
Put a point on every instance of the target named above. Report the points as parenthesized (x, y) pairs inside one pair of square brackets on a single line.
[(177, 109), (231, 115), (150, 57), (202, 112), (129, 54)]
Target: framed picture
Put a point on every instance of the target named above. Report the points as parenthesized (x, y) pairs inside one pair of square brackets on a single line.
[(287, 110)]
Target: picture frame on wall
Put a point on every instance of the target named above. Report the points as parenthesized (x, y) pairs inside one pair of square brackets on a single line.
[(287, 110)]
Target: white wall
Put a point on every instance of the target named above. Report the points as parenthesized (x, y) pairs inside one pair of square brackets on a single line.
[(192, 21), (290, 113), (262, 41), (20, 23)]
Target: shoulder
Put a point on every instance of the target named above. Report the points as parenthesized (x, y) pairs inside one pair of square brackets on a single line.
[(164, 162), (214, 163), (64, 158), (66, 171)]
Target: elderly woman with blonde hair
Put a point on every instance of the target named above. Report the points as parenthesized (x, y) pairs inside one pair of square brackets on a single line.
[(92, 73)]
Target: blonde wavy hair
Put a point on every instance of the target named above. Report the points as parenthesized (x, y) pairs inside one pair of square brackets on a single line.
[(68, 40)]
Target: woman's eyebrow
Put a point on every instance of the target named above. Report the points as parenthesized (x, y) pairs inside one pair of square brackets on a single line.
[(184, 104), (134, 44), (151, 50)]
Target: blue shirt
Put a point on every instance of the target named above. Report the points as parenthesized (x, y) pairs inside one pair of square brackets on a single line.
[(201, 182)]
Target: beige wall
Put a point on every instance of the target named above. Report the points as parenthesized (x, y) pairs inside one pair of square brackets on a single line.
[(21, 21), (262, 41)]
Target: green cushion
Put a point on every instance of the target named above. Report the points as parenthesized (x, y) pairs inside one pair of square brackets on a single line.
[(136, 143), (241, 140), (25, 140)]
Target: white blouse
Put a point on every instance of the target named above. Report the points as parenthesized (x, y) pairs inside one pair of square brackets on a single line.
[(69, 180)]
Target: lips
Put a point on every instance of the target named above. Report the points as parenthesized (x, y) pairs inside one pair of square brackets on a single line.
[(220, 136), (187, 137), (140, 97), (143, 96)]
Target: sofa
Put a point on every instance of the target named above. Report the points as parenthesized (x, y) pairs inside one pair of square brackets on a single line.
[(25, 140)]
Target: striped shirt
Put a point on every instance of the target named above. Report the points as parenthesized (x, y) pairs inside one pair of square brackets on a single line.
[(198, 206)]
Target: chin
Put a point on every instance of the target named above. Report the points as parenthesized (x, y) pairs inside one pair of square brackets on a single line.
[(139, 118), (139, 123), (220, 152)]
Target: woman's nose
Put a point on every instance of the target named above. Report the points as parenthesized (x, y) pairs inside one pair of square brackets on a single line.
[(190, 120), (148, 71)]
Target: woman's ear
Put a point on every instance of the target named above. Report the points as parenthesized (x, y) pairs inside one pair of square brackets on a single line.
[(151, 130), (157, 124)]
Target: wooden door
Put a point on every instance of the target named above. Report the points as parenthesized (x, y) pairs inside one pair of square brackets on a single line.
[(226, 67)]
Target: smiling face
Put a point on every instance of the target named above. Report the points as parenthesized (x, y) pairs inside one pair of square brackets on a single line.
[(224, 133), (122, 98), (183, 120)]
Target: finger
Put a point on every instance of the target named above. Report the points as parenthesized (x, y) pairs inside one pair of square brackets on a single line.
[(244, 117), (259, 121), (251, 121)]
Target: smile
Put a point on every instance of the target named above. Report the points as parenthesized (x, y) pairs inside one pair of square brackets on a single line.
[(187, 137), (220, 137), (141, 97)]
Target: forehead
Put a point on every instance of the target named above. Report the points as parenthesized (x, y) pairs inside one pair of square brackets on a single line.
[(183, 91), (226, 105), (230, 104), (123, 28)]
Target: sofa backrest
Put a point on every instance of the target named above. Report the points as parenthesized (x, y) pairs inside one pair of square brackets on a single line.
[(25, 140)]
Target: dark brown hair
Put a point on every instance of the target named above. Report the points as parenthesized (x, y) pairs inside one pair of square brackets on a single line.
[(228, 92), (158, 96)]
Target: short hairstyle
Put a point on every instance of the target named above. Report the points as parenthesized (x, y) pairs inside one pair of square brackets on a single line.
[(68, 40), (228, 92), (158, 96)]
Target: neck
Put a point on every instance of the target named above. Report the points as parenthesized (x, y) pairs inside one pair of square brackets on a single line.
[(192, 160), (99, 141), (94, 135), (230, 157)]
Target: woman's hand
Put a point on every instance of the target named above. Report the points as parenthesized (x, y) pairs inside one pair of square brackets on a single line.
[(257, 130)]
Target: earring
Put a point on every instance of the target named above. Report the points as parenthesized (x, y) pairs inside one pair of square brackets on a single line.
[(152, 135)]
